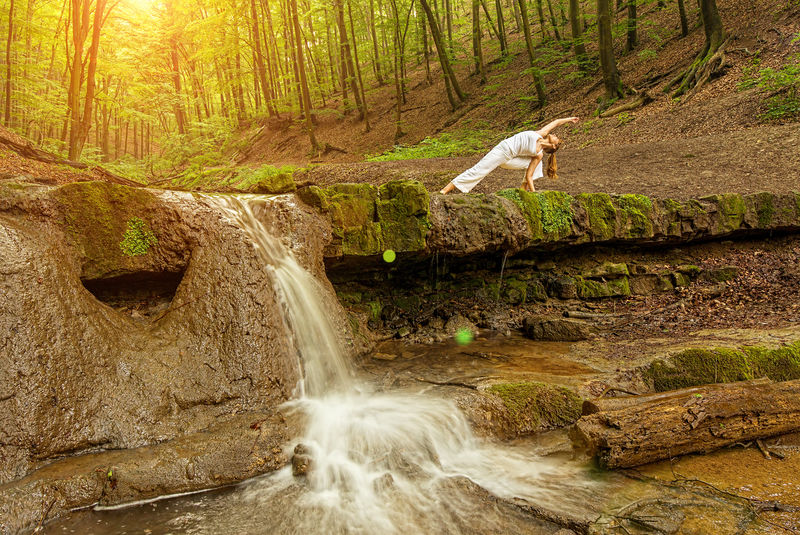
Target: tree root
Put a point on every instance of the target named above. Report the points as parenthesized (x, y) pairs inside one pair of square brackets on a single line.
[(643, 99), (707, 64)]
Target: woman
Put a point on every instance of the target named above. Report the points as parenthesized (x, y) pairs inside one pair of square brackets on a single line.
[(521, 151)]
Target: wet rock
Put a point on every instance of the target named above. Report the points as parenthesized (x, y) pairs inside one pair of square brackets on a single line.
[(536, 406), (556, 329), (301, 460), (383, 356), (226, 452), (80, 376), (457, 323)]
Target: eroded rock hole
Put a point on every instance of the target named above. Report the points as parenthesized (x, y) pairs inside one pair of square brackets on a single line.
[(144, 295)]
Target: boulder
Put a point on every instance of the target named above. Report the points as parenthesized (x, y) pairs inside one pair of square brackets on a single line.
[(80, 373), (556, 329)]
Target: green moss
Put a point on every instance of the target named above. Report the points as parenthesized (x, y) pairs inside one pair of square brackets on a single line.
[(533, 406), (592, 289), (639, 212), (369, 219), (138, 238), (314, 196), (556, 210), (732, 209), (530, 207), (765, 208), (403, 211), (690, 270), (679, 279), (97, 216), (694, 367), (723, 274), (601, 213), (514, 292)]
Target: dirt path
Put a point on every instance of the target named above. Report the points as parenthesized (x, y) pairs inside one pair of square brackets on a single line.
[(765, 158)]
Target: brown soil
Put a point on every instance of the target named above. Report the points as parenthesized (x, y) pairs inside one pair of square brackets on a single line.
[(764, 158), (710, 142)]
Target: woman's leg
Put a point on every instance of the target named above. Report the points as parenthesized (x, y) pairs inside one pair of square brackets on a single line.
[(470, 178)]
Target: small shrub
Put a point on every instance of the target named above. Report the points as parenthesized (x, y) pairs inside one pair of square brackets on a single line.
[(138, 238)]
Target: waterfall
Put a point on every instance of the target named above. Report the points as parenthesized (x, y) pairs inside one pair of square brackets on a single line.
[(379, 462)]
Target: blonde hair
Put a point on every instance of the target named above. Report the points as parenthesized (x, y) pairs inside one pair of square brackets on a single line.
[(552, 163)]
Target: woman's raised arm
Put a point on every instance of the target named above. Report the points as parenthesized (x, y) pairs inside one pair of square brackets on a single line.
[(555, 124)]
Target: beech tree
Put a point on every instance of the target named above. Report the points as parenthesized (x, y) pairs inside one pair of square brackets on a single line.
[(611, 78)]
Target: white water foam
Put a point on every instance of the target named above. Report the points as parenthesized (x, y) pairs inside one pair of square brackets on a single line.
[(380, 462)]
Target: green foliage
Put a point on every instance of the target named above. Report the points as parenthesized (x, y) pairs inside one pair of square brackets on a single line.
[(459, 143), (648, 55), (138, 238), (782, 87)]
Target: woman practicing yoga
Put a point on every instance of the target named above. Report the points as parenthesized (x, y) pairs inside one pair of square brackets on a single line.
[(521, 151)]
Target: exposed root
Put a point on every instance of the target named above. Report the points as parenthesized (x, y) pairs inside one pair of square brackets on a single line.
[(708, 64)]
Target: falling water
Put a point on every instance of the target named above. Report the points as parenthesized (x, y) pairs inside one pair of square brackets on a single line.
[(380, 463)]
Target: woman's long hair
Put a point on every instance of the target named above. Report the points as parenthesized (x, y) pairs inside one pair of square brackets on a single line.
[(552, 163)]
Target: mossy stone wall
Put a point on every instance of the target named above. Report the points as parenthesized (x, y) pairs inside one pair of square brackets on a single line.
[(693, 367)]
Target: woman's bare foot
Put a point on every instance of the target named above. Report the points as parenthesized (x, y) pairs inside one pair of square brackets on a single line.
[(447, 189)]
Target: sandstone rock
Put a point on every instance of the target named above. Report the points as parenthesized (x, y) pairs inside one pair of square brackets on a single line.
[(556, 329), (77, 375)]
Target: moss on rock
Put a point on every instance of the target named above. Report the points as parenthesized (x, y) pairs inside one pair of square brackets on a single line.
[(592, 289), (97, 216), (556, 210), (535, 406), (601, 213), (694, 367), (528, 203), (404, 215), (639, 214), (367, 219)]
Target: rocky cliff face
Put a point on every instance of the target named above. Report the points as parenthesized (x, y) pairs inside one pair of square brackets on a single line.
[(182, 331)]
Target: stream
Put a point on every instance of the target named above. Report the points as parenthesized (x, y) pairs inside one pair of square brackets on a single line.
[(404, 460)]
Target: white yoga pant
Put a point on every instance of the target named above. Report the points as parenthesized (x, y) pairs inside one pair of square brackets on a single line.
[(499, 156)]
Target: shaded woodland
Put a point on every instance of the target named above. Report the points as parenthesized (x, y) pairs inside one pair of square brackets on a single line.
[(168, 83)]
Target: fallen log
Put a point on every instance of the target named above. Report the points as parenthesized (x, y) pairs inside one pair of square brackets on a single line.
[(635, 430)]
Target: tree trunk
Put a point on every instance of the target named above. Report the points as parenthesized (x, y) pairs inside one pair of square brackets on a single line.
[(577, 35), (365, 111), (477, 51), (347, 58), (553, 20), (711, 58), (260, 66), (644, 429), (80, 128), (540, 9), (306, 98), (450, 76), (611, 78), (501, 29), (425, 49), (632, 37), (684, 20), (517, 20), (9, 41), (537, 75), (376, 63)]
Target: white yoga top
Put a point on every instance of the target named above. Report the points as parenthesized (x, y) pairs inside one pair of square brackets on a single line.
[(522, 144)]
